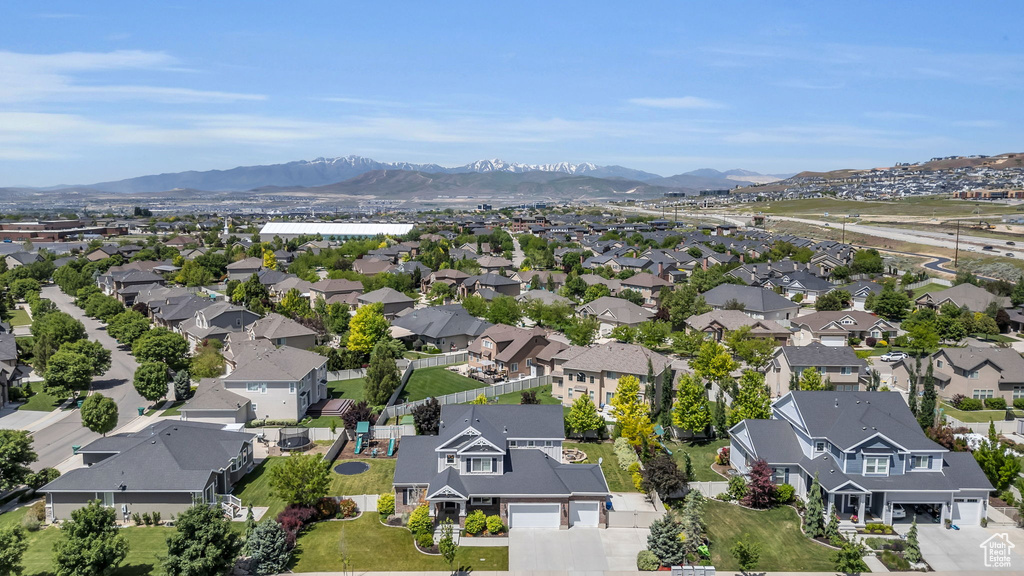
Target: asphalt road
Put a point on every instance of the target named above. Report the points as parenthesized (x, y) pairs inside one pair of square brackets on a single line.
[(53, 443)]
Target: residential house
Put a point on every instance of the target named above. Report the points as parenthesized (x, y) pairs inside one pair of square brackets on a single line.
[(545, 297), (489, 286), (372, 266), (595, 371), (449, 276), (493, 264), (244, 268), (280, 382), (870, 458), (171, 312), (648, 285), (11, 372), (504, 460), (166, 467), (976, 372), (119, 283), (611, 312), (974, 298), (393, 301), (334, 291), (541, 279), (800, 285), (277, 291), (509, 350), (216, 322), (840, 365), (282, 331), (860, 291), (718, 323), (755, 302), (447, 328), (836, 328)]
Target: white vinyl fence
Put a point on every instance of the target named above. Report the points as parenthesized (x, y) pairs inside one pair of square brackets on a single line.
[(441, 360), (469, 395), (1002, 426), (347, 374)]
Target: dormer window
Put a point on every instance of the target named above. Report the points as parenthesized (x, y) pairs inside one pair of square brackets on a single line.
[(449, 459), (480, 465), (819, 446)]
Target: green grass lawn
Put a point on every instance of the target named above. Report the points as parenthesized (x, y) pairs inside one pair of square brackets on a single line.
[(921, 291), (994, 338), (41, 401), (543, 396), (255, 488), (369, 545), (783, 545), (19, 317), (702, 456), (413, 355), (350, 389), (436, 381), (976, 415), (618, 480), (175, 409)]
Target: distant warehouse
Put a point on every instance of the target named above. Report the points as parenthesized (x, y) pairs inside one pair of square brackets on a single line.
[(329, 230)]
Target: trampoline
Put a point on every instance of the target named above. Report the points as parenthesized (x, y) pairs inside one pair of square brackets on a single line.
[(351, 468), (293, 439)]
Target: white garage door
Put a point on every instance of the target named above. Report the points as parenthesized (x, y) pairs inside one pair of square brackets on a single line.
[(584, 513), (967, 511), (833, 341), (533, 515)]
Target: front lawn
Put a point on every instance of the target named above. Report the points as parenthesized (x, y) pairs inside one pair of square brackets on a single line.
[(175, 409), (41, 401), (702, 456), (368, 545), (784, 548), (436, 381), (254, 489), (618, 480), (19, 317), (995, 338)]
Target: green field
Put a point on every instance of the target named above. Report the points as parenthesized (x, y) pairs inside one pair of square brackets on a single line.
[(368, 545), (436, 381), (784, 548), (916, 206), (350, 389), (19, 317), (618, 480)]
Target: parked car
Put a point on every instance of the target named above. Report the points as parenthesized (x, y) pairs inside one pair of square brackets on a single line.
[(987, 248), (892, 356), (898, 513), (1011, 243), (1010, 254)]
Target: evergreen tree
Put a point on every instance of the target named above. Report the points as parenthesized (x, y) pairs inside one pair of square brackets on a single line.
[(651, 390), (720, 418), (203, 543), (814, 513), (382, 377), (832, 529), (250, 522), (182, 385), (850, 559), (926, 409), (912, 552), (268, 548), (692, 521), (664, 541), (747, 554), (915, 375)]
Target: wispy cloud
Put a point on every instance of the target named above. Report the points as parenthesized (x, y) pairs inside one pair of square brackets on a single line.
[(680, 103)]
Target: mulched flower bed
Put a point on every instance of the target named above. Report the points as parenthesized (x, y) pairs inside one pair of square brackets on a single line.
[(433, 550)]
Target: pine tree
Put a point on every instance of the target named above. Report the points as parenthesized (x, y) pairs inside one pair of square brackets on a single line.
[(814, 514), (832, 529), (794, 382), (926, 410), (993, 436), (912, 552), (250, 522), (915, 374), (382, 375), (692, 521), (651, 390), (664, 541), (721, 421)]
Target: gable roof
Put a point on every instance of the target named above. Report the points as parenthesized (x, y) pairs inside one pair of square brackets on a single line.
[(613, 356), (385, 295), (734, 320), (254, 363), (510, 340), (833, 320), (1006, 360), (274, 326), (619, 309), (817, 354), (848, 419), (441, 322), (753, 298), (974, 297)]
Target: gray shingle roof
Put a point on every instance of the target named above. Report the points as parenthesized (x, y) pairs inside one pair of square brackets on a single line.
[(274, 325), (617, 309), (254, 363), (385, 295), (508, 421), (849, 418), (817, 354), (615, 357), (442, 322), (754, 298)]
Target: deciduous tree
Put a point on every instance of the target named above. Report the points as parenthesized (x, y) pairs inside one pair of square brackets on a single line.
[(99, 413), (302, 480), (16, 455), (151, 380), (753, 401), (90, 543), (162, 345), (367, 327), (13, 545), (382, 377), (583, 416), (691, 411)]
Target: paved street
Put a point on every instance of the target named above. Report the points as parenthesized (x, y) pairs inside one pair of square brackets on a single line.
[(53, 443)]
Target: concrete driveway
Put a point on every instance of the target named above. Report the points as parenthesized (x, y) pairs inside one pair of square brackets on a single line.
[(575, 550), (960, 550)]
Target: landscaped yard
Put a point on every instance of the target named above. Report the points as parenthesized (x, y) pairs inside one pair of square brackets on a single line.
[(436, 381), (976, 415), (175, 409), (784, 548), (369, 545), (702, 456), (19, 317), (918, 292), (618, 480), (255, 488), (350, 389), (41, 401), (543, 396)]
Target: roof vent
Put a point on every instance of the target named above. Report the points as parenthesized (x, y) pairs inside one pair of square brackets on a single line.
[(152, 441), (858, 401), (506, 429), (837, 402)]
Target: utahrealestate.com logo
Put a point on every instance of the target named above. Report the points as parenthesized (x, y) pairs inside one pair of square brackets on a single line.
[(997, 551)]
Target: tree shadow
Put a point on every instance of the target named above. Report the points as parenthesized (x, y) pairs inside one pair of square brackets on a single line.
[(136, 570)]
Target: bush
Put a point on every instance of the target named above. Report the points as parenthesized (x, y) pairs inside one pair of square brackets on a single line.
[(147, 519), (722, 457), (902, 341), (647, 561), (957, 400), (870, 341), (425, 540), (156, 518), (854, 341), (495, 525), (347, 508), (737, 488), (386, 504), (894, 562), (476, 521), (419, 520), (1018, 403), (881, 344), (723, 496), (633, 468), (638, 482), (30, 523), (970, 404), (293, 519), (137, 518), (995, 403), (625, 453), (784, 493)]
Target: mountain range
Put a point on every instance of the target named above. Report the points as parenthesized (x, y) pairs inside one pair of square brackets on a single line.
[(325, 172)]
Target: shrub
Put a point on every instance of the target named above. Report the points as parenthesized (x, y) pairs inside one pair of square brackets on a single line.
[(970, 404), (647, 561), (722, 457), (137, 518), (995, 403), (1018, 403), (147, 519), (784, 493), (293, 518), (425, 540), (625, 453), (894, 562), (476, 521), (347, 508), (737, 488), (327, 507), (723, 496), (854, 341), (156, 518), (957, 400), (881, 344), (638, 482), (419, 520), (495, 525), (38, 510), (633, 468), (870, 341), (902, 341), (386, 504), (30, 523)]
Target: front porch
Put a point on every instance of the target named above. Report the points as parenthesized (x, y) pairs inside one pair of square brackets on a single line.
[(855, 509), (458, 509)]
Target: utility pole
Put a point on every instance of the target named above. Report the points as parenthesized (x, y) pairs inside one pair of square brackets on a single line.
[(844, 229), (956, 250)]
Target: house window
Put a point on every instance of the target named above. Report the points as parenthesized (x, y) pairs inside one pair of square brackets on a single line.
[(982, 394), (846, 370), (108, 499), (938, 363), (591, 394), (1018, 392), (591, 379), (488, 344), (973, 374), (252, 386), (449, 459), (570, 392), (921, 461), (291, 387), (481, 501), (480, 465), (822, 370), (612, 375), (530, 444), (547, 443), (253, 407), (413, 495), (819, 446), (581, 377), (515, 367), (876, 465), (779, 475)]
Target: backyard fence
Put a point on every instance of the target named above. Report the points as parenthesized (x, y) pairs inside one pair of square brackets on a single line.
[(1002, 426), (389, 432), (442, 360), (710, 489), (927, 281), (337, 447), (494, 391), (636, 518), (315, 434), (347, 374)]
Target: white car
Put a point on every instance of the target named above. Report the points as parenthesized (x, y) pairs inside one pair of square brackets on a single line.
[(892, 356), (898, 513)]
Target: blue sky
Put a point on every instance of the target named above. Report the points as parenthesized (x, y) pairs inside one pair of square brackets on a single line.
[(100, 91)]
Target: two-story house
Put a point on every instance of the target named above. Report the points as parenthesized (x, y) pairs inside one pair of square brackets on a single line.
[(216, 321), (447, 328), (489, 286), (508, 350), (754, 301), (282, 331), (648, 285), (718, 323), (611, 312), (835, 328), (334, 291), (578, 371), (869, 455), (839, 365), (976, 372), (502, 459)]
